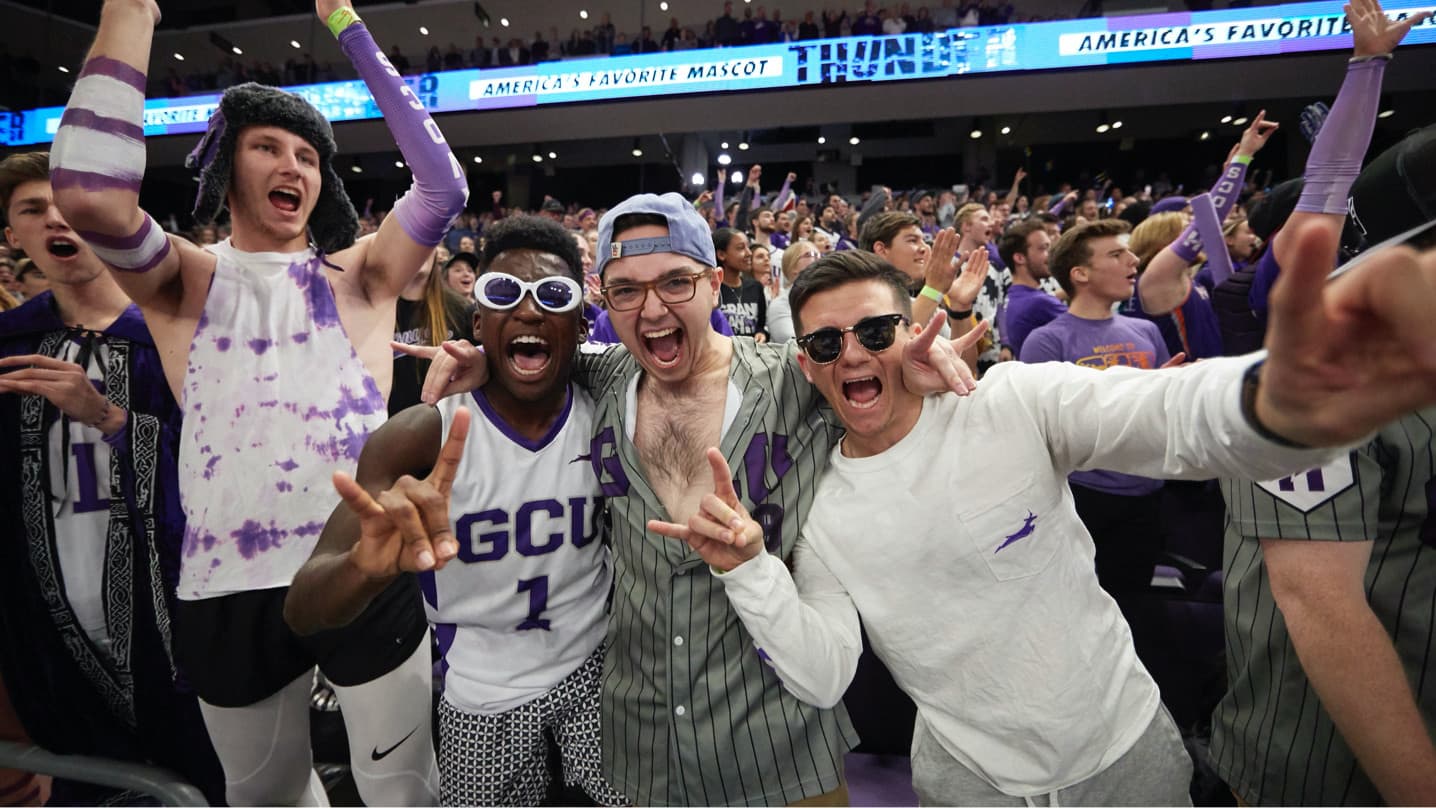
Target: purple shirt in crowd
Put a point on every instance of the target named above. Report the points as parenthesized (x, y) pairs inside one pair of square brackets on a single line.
[(1101, 344), (1192, 327), (1026, 309)]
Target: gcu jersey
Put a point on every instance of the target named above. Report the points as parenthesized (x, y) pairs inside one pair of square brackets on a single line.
[(524, 603)]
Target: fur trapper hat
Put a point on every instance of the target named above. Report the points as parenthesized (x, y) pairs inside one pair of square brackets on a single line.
[(333, 225)]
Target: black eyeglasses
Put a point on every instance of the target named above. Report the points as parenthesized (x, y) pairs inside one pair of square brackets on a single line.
[(627, 296), (825, 345)]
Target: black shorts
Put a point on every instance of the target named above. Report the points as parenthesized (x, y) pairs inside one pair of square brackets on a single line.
[(237, 650)]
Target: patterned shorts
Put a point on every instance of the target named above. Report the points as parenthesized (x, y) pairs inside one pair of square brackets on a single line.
[(502, 759)]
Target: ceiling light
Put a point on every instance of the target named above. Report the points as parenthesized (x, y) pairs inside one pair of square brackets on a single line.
[(504, 21), (553, 155), (1226, 119), (822, 140), (1242, 121), (538, 158), (696, 179), (637, 152), (1205, 135), (356, 169), (663, 6), (737, 177), (1116, 124), (853, 141), (583, 14), (294, 43), (743, 146), (179, 57), (64, 69), (1102, 128), (424, 30), (1006, 130), (975, 134), (724, 159), (237, 51), (478, 159), (398, 163), (1385, 113), (723, 145)]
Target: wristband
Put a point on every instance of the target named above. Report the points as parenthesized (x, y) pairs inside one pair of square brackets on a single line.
[(341, 18), (958, 315), (1244, 159), (1385, 57), (1251, 381), (932, 294)]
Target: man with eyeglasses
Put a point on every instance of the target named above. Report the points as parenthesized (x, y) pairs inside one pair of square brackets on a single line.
[(518, 599), (981, 599), (692, 714)]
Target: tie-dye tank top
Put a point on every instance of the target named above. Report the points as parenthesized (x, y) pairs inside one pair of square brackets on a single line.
[(275, 399)]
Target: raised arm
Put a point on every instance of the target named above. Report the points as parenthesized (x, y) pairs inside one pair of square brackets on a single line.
[(1013, 192), (743, 218), (98, 159), (783, 193), (440, 190), (1341, 144), (388, 522), (1165, 284)]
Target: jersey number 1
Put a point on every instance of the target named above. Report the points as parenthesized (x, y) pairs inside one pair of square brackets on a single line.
[(538, 603)]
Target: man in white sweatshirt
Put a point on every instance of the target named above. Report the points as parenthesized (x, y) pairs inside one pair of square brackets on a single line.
[(981, 598)]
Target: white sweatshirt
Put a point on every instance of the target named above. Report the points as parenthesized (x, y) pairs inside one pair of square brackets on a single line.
[(962, 550)]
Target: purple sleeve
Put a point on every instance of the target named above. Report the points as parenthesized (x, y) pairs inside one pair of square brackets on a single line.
[(782, 195), (1335, 158), (440, 190), (602, 330), (720, 323), (1267, 270), (1057, 209)]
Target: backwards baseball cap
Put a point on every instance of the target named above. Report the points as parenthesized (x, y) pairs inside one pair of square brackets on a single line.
[(688, 234), (1169, 204), (333, 224)]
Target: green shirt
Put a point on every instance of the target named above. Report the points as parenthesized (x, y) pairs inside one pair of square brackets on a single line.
[(691, 712)]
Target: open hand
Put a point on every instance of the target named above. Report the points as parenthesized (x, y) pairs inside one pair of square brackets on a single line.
[(1372, 32), (721, 532), (963, 292), (407, 528), (940, 273)]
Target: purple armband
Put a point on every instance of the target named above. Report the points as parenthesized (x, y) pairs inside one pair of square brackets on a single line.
[(440, 189)]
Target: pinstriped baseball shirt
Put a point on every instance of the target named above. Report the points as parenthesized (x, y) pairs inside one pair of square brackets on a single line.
[(691, 714), (1272, 740)]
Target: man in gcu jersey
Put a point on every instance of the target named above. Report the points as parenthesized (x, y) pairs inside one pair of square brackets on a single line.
[(517, 589), (276, 343)]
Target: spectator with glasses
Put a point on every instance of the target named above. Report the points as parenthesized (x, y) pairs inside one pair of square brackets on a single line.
[(798, 257), (516, 577), (984, 604)]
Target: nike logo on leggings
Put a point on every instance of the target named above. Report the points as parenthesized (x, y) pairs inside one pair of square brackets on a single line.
[(377, 756)]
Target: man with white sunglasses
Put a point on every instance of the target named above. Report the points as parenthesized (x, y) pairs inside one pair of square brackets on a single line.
[(519, 606)]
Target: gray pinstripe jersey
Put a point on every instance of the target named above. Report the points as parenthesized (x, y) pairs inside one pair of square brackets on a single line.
[(1272, 740), (691, 714)]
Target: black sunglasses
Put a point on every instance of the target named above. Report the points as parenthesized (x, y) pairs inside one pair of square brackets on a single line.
[(874, 333)]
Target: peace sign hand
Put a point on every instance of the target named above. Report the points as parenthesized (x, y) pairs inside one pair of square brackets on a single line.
[(407, 528), (1372, 32), (721, 532)]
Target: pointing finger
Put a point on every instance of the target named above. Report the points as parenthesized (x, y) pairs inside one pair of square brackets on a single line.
[(446, 468), (722, 477)]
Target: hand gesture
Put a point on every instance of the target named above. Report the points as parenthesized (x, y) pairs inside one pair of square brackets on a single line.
[(1372, 32), (754, 174), (1255, 136), (792, 177), (932, 365), (63, 384), (1313, 117), (456, 366), (705, 197), (940, 272), (721, 532), (1348, 356), (497, 195), (1175, 362), (407, 529), (965, 289), (1018, 177), (326, 7)]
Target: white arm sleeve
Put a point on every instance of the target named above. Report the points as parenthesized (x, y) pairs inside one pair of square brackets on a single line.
[(806, 629)]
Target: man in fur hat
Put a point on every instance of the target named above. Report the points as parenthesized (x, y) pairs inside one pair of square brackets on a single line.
[(275, 342)]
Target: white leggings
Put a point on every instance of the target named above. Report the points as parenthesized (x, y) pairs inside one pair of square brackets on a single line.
[(264, 748)]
